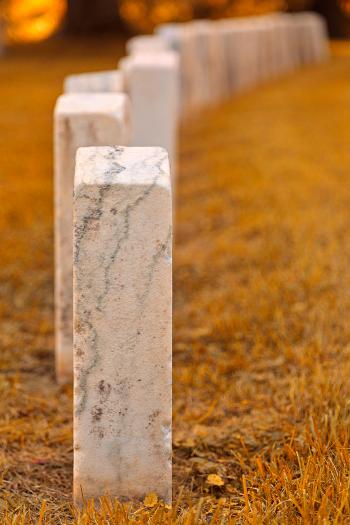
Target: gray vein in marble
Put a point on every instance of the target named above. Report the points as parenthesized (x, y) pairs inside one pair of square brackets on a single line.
[(126, 215)]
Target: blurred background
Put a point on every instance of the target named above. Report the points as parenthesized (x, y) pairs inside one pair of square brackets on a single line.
[(35, 20)]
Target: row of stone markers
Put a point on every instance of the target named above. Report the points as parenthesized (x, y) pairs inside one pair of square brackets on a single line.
[(114, 134), (113, 290), (221, 58)]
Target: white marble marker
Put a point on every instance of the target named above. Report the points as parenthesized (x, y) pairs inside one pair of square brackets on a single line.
[(97, 82), (80, 120), (179, 39), (206, 67), (312, 37), (145, 44), (122, 323), (152, 82)]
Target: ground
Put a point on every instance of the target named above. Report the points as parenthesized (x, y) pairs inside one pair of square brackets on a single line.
[(262, 303)]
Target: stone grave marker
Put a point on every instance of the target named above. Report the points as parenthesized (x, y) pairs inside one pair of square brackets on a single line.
[(122, 323), (80, 120), (98, 82), (152, 82)]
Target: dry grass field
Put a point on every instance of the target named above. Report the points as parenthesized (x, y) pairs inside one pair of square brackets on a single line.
[(262, 304)]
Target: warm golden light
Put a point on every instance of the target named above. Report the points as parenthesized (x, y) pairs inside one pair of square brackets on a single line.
[(345, 5), (254, 7), (33, 20), (144, 15)]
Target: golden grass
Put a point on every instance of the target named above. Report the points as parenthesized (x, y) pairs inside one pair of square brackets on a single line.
[(262, 305)]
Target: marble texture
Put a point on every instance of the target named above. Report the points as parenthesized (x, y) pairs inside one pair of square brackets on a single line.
[(152, 82), (122, 323), (97, 82), (80, 120)]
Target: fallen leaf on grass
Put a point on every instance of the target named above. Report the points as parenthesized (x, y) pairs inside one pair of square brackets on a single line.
[(150, 500), (215, 480)]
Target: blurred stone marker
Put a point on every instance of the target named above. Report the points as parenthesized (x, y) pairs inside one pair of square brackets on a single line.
[(287, 42), (209, 63), (152, 82), (320, 37), (264, 48), (198, 63), (146, 43), (240, 41), (248, 47), (80, 120), (122, 323), (241, 52), (313, 39), (272, 46), (97, 82), (182, 40)]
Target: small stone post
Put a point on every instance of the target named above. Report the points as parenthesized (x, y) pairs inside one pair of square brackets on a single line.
[(98, 82), (80, 120), (122, 323), (146, 44), (152, 82)]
